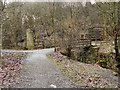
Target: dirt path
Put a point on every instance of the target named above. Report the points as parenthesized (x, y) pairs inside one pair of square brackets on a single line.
[(40, 72)]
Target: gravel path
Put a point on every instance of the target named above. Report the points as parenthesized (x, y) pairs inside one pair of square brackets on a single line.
[(40, 72)]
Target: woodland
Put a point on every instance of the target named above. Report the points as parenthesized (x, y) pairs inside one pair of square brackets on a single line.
[(88, 33)]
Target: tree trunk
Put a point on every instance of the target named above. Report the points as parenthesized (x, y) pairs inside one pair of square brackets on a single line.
[(53, 27), (117, 32), (0, 38), (117, 55), (69, 51), (3, 7)]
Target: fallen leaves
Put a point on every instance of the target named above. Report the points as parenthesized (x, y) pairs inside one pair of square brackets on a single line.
[(83, 75), (11, 64)]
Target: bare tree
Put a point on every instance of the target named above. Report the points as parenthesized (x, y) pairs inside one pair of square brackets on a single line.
[(2, 7)]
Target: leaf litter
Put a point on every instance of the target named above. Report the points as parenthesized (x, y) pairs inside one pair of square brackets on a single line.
[(11, 65), (85, 75)]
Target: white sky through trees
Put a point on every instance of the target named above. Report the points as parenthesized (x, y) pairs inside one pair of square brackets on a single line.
[(92, 1)]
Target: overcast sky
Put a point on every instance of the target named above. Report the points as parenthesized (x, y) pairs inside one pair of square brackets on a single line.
[(92, 1)]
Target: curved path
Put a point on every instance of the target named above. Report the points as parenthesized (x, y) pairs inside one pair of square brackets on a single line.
[(40, 72)]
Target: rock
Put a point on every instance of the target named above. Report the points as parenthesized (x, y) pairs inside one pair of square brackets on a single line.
[(53, 86)]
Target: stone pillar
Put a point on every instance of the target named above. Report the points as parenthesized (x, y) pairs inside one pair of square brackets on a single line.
[(29, 39)]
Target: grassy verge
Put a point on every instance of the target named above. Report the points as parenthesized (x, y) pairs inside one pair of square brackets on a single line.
[(67, 71), (80, 74)]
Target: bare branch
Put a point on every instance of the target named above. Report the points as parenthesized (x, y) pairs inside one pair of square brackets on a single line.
[(3, 5), (16, 6)]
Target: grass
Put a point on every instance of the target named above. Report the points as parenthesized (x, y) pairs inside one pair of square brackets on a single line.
[(65, 71), (1, 87), (68, 72), (56, 63), (72, 70)]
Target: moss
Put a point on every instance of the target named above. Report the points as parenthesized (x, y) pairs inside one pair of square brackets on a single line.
[(1, 87), (55, 63), (61, 67), (76, 80), (81, 80), (115, 73), (64, 62)]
